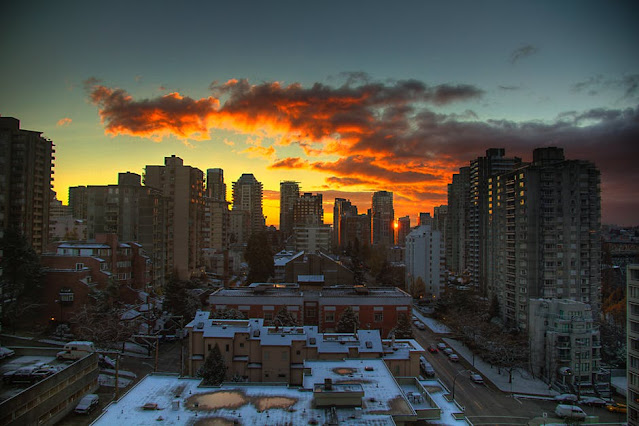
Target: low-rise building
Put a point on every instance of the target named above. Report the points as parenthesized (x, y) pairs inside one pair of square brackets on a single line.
[(72, 269), (377, 308), (345, 392), (565, 346), (259, 353), (297, 267)]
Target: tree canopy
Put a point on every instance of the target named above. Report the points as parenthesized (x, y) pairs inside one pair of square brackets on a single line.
[(285, 318), (21, 278), (213, 371), (348, 321), (403, 329)]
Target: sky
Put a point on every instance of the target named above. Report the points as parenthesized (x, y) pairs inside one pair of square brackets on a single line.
[(346, 98)]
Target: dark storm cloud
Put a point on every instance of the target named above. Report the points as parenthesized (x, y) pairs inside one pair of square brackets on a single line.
[(522, 52)]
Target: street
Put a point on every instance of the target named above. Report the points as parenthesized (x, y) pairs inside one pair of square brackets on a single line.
[(485, 404)]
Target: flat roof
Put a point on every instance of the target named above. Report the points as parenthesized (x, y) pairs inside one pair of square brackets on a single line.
[(174, 400)]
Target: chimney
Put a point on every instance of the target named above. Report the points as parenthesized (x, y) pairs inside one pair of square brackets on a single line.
[(328, 384)]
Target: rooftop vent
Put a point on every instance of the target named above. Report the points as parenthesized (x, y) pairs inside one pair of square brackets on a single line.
[(200, 325), (369, 345)]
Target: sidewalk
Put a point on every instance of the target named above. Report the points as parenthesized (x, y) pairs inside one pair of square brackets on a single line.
[(522, 382)]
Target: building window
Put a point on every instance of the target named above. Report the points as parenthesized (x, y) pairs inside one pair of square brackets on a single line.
[(79, 266), (227, 347), (379, 317), (268, 316), (66, 295), (330, 317)]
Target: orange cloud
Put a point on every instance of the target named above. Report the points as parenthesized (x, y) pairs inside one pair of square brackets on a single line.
[(385, 135), (64, 122)]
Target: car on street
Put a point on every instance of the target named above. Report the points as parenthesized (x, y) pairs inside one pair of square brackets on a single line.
[(432, 349), (87, 404), (441, 346), (453, 357), (476, 378), (448, 351), (106, 362), (426, 367), (6, 352), (617, 407), (570, 412), (419, 325), (566, 397), (593, 401)]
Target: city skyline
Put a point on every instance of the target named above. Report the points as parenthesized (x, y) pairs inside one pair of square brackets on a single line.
[(368, 98)]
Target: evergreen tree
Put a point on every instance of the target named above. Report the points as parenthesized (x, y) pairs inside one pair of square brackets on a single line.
[(178, 300), (419, 288), (285, 318), (348, 321), (259, 257), (213, 371), (21, 279), (403, 329)]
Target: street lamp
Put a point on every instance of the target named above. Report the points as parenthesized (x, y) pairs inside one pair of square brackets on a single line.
[(455, 380)]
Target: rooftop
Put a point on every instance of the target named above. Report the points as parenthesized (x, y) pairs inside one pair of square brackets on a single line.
[(175, 400)]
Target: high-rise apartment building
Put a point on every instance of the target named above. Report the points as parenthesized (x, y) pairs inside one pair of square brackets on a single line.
[(341, 209), (457, 222), (78, 201), (632, 294), (26, 169), (440, 217), (544, 234), (495, 162), (355, 231), (132, 212), (308, 210), (289, 193), (216, 215), (425, 219), (247, 196), (382, 218), (403, 229), (424, 258), (182, 188)]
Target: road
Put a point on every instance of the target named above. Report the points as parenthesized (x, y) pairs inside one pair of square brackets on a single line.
[(486, 404)]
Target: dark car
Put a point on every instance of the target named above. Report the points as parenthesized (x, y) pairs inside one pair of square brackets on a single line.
[(87, 404), (432, 349), (593, 401)]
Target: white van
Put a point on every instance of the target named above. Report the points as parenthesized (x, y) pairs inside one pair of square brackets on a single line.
[(570, 412), (76, 350)]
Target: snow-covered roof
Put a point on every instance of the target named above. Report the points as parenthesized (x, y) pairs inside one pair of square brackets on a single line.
[(174, 400)]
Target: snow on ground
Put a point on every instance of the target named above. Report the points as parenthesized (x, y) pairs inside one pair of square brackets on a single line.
[(109, 381), (434, 325), (522, 382)]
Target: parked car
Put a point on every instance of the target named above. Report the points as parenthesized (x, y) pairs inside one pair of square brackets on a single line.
[(453, 357), (441, 346), (566, 397), (570, 412), (419, 325), (87, 404), (448, 351), (106, 362), (76, 350), (477, 379), (6, 352), (432, 349), (426, 367), (593, 401), (617, 407), (30, 374)]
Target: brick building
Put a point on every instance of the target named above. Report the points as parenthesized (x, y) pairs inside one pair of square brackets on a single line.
[(377, 308), (73, 269), (260, 353)]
